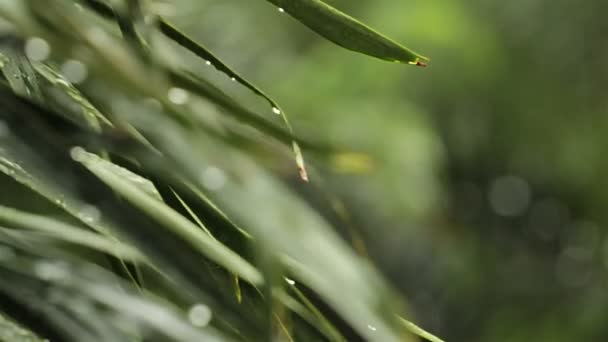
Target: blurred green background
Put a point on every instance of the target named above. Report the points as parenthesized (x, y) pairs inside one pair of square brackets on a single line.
[(484, 195)]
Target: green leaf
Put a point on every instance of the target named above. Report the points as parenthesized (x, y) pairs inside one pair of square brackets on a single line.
[(416, 330), (348, 32), (313, 253), (284, 225), (173, 33), (11, 331), (179, 261), (166, 216), (198, 49), (206, 89), (80, 301), (66, 232), (325, 324)]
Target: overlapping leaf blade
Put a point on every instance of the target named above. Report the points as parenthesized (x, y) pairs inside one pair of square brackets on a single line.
[(176, 153)]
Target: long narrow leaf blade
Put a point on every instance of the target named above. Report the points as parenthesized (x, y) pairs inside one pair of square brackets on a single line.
[(348, 32), (11, 331), (67, 232), (168, 217)]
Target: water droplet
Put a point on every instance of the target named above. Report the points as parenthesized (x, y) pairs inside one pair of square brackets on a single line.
[(509, 196), (77, 153), (281, 10), (418, 62), (290, 281), (200, 315), (63, 83), (208, 62), (37, 49), (232, 79), (3, 61), (89, 213), (213, 178), (97, 35), (75, 71), (178, 96), (276, 110), (371, 327)]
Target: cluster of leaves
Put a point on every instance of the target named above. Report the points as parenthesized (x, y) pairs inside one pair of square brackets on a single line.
[(162, 218)]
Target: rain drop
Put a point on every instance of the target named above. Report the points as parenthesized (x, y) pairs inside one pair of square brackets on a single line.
[(178, 96), (60, 202), (77, 153), (3, 61), (97, 35), (213, 178), (199, 315), (290, 281), (371, 327), (208, 62), (276, 110), (281, 10), (75, 71), (37, 49), (232, 79), (509, 196), (89, 213)]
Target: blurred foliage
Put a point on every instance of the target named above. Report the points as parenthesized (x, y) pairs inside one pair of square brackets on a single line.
[(144, 201), (474, 185), (485, 204)]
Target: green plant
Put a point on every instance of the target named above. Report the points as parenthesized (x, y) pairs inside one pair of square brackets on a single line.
[(150, 206)]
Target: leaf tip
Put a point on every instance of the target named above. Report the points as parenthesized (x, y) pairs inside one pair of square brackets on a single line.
[(303, 173), (300, 162), (420, 61)]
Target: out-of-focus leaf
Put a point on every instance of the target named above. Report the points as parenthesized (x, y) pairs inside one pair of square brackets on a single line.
[(287, 228), (68, 97), (198, 49), (66, 232), (178, 259), (19, 163), (82, 302), (200, 86), (328, 328), (168, 217), (321, 261), (201, 51), (416, 330), (347, 32), (11, 331), (38, 151)]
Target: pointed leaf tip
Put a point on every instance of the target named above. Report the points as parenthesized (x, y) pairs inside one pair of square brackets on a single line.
[(346, 31), (303, 173)]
